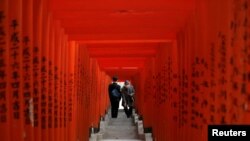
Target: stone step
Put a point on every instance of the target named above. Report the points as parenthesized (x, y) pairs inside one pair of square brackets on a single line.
[(118, 129), (121, 122), (121, 140), (122, 132)]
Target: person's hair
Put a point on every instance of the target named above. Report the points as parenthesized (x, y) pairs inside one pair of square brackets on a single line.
[(126, 82), (115, 78)]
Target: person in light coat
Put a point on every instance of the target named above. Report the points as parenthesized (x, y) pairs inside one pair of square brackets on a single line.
[(128, 93)]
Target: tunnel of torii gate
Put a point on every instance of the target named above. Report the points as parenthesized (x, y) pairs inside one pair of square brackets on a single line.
[(189, 61)]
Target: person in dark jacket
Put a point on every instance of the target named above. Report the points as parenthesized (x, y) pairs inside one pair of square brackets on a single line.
[(128, 98), (114, 96)]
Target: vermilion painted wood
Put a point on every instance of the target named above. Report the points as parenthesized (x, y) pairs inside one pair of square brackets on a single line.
[(61, 79), (57, 81), (44, 70), (16, 73), (122, 20), (62, 88), (77, 78), (51, 81), (66, 90), (5, 114), (247, 117), (37, 30), (71, 92), (28, 46)]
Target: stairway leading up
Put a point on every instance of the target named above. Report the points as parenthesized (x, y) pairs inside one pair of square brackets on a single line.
[(119, 129)]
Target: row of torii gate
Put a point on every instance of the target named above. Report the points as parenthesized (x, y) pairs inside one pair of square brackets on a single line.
[(190, 66)]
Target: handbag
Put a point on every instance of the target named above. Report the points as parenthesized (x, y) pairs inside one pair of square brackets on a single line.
[(115, 93)]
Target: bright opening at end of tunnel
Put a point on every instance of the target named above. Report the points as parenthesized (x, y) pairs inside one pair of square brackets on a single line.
[(121, 83)]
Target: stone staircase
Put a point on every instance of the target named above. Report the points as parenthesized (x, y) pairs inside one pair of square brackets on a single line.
[(121, 129)]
